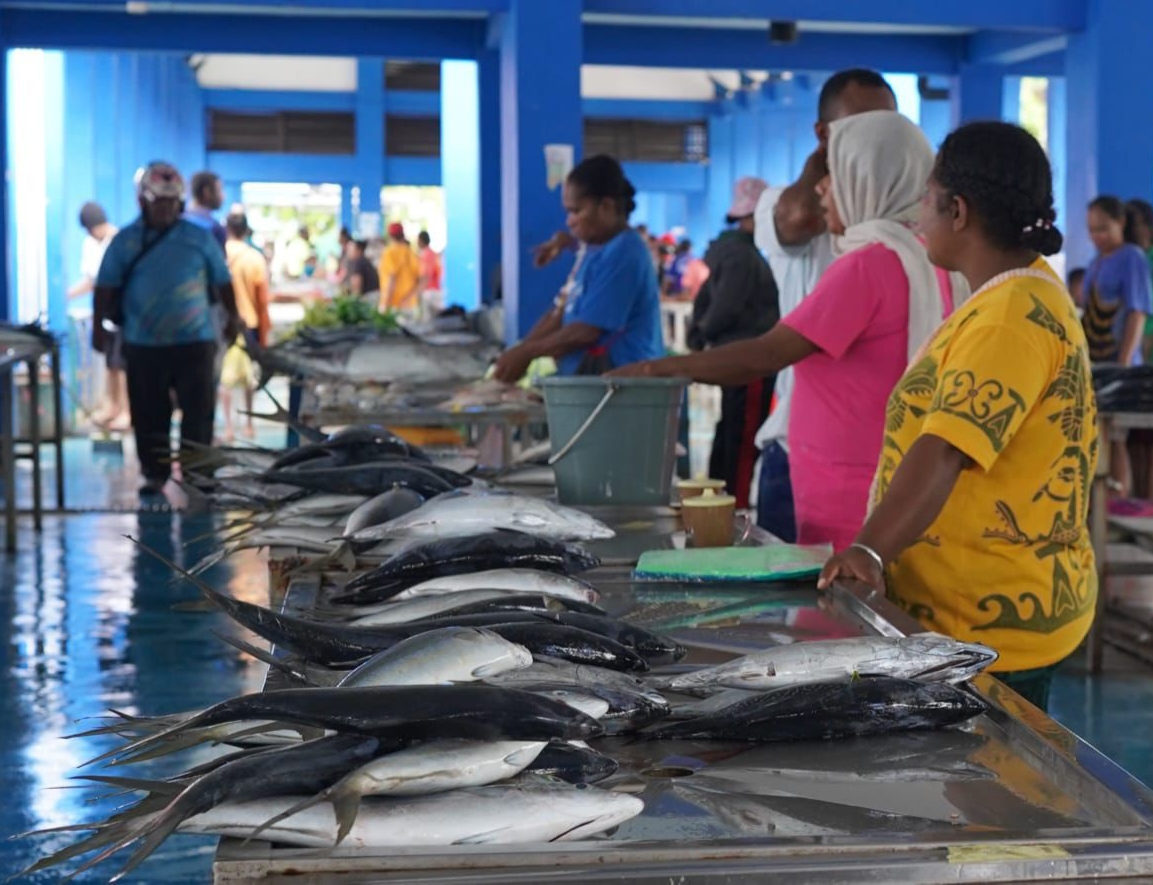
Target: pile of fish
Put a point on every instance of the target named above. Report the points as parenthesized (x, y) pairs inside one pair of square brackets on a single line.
[(357, 356), (447, 695)]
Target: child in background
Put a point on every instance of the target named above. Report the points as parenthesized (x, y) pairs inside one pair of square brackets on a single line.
[(1075, 282)]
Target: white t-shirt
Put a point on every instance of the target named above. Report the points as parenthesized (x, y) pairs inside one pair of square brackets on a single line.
[(796, 270), (92, 254)]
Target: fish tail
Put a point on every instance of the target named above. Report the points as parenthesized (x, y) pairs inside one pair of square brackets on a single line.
[(154, 746), (153, 834), (82, 846), (134, 784), (305, 732), (205, 563), (266, 657)]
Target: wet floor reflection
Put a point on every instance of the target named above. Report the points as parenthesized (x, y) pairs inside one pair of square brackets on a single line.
[(90, 626)]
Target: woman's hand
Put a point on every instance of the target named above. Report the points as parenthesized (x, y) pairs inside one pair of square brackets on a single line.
[(645, 369), (548, 252), (855, 564), (512, 364)]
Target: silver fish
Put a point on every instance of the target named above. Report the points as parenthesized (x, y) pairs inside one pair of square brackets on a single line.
[(546, 670), (497, 814), (421, 770), (928, 657), (400, 359), (423, 607), (514, 580), (450, 654), (490, 510), (381, 508)]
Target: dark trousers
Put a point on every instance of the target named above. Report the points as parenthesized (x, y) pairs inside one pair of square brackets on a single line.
[(155, 374), (734, 455), (775, 495), (1032, 685)]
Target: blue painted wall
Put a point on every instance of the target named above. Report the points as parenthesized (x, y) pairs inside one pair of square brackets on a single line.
[(121, 110)]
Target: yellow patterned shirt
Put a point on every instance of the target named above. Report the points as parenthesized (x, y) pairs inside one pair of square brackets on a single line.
[(1008, 561)]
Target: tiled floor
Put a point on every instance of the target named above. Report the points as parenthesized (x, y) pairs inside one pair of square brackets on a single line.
[(88, 625)]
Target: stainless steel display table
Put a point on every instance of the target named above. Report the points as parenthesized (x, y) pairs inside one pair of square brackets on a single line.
[(1014, 796)]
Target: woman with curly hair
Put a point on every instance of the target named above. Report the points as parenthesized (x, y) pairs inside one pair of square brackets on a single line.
[(980, 504)]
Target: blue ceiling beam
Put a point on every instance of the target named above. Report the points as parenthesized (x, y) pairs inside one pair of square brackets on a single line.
[(736, 48), (647, 109), (432, 39), (1025, 15), (355, 8), (272, 100), (1000, 48)]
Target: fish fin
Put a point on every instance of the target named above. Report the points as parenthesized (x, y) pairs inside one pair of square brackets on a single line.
[(491, 669), (482, 838), (287, 813), (151, 747), (344, 556), (345, 805)]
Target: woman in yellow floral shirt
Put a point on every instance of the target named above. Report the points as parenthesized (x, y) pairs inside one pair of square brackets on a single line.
[(979, 520)]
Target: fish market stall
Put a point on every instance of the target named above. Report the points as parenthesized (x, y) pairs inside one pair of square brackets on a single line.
[(1010, 795)]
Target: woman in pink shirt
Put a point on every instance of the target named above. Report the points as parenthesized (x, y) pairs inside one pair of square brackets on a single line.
[(853, 336)]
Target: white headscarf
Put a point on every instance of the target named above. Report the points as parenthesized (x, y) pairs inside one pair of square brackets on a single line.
[(880, 163)]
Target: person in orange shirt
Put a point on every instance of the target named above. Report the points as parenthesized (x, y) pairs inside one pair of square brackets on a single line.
[(250, 282), (399, 273), (431, 284)]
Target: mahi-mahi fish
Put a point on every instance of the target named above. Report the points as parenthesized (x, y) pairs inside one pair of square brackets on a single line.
[(491, 510), (496, 814)]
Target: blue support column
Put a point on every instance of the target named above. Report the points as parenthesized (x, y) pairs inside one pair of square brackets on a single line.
[(1110, 136), (541, 54), (721, 173), (488, 75), (1011, 99), (700, 231), (370, 132), (936, 121), (346, 219), (7, 309), (978, 93), (1058, 148), (54, 191), (460, 177)]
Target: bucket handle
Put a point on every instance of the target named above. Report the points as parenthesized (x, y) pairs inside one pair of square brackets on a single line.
[(576, 437)]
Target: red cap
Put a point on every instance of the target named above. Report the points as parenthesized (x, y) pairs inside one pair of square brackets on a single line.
[(396, 230), (668, 240)]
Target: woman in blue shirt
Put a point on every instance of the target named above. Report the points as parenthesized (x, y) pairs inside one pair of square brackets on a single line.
[(1118, 297), (611, 316)]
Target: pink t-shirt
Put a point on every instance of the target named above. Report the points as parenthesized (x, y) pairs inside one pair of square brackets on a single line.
[(858, 315)]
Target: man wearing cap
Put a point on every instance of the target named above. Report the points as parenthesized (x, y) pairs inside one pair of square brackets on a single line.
[(158, 281), (113, 412), (399, 273), (737, 301)]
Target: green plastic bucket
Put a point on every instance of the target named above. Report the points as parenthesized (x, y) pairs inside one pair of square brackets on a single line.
[(614, 440)]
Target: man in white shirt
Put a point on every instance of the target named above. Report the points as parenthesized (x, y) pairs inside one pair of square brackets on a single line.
[(790, 230), (113, 412)]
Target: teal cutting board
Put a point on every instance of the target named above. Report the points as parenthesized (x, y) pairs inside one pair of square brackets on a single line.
[(774, 562)]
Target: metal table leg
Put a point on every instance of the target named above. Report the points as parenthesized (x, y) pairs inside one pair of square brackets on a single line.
[(58, 425), (34, 440), (8, 457)]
